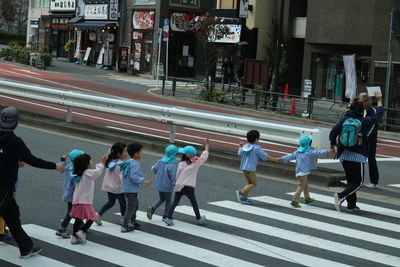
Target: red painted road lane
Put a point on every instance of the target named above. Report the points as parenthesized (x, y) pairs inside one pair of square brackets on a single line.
[(126, 124)]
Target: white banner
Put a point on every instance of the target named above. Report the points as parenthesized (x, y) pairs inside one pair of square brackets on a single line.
[(62, 5), (351, 80), (97, 11), (78, 44)]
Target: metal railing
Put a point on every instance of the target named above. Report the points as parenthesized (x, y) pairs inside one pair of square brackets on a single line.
[(214, 122)]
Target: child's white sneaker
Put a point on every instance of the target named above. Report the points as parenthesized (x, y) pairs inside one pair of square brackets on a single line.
[(81, 235), (202, 220), (98, 219), (75, 240), (169, 222)]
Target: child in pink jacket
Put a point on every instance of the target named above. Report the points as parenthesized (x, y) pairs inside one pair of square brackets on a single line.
[(82, 203), (186, 178)]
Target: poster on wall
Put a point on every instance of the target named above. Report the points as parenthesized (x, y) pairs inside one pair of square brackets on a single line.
[(97, 11), (143, 20), (62, 5), (232, 37), (113, 9), (182, 22), (137, 36)]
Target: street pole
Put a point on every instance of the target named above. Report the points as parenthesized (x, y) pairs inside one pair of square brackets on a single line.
[(388, 70), (159, 56), (166, 63)]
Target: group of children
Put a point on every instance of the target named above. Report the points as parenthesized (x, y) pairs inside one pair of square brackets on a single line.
[(123, 176)]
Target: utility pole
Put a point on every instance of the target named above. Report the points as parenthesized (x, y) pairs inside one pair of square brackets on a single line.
[(388, 70)]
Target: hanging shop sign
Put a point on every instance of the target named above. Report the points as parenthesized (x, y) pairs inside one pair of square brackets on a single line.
[(62, 5), (232, 37), (137, 36), (123, 57), (97, 11), (143, 20), (113, 9), (182, 22)]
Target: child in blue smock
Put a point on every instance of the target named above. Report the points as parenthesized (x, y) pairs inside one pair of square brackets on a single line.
[(165, 171), (306, 158)]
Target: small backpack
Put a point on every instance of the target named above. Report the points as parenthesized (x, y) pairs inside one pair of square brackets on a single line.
[(350, 135)]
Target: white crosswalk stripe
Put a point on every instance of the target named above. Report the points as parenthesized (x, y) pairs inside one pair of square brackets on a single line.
[(219, 243)]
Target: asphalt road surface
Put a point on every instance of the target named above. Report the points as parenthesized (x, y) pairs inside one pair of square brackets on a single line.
[(268, 233)]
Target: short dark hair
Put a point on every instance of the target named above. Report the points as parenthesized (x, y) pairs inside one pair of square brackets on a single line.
[(134, 148), (252, 136), (357, 107), (81, 164)]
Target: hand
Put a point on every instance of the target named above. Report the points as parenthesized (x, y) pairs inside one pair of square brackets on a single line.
[(332, 149), (65, 156), (60, 167), (21, 164), (207, 143), (104, 158), (241, 144), (147, 182), (378, 95)]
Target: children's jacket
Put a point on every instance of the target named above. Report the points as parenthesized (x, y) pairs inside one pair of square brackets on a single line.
[(186, 175), (132, 176), (84, 189), (69, 184), (305, 161), (166, 174), (112, 178), (249, 155)]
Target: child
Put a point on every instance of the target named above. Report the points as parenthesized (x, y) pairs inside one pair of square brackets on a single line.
[(186, 177), (249, 155), (4, 235), (165, 169), (112, 181), (131, 179), (68, 190), (82, 203), (305, 157)]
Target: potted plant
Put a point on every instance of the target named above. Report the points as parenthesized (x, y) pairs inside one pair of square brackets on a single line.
[(69, 47)]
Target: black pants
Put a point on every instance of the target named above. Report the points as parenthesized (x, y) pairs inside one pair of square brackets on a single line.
[(111, 201), (188, 191), (78, 225), (9, 210), (67, 218), (372, 166), (355, 179)]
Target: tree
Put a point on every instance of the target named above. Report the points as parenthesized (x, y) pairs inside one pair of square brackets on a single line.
[(14, 13)]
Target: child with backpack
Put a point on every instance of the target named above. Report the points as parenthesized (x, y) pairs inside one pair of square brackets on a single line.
[(350, 136)]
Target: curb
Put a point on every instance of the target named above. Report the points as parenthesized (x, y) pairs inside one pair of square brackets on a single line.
[(321, 176)]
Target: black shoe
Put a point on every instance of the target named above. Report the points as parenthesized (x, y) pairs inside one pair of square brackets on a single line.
[(135, 225), (127, 229), (33, 251)]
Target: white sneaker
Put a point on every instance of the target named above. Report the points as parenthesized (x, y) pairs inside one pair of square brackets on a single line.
[(81, 236), (98, 219), (75, 240), (371, 185)]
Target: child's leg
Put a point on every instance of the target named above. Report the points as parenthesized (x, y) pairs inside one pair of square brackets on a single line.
[(167, 196), (300, 188), (251, 179), (178, 196), (158, 202), (111, 201), (122, 204), (130, 201), (77, 224), (2, 226), (67, 217), (306, 190), (135, 208), (189, 192), (87, 225)]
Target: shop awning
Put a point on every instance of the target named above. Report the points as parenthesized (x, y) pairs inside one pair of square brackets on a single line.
[(94, 25)]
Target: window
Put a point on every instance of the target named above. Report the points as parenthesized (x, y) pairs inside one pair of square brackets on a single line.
[(188, 3), (40, 3), (144, 2)]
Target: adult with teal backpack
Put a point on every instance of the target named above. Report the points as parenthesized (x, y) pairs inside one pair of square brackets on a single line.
[(349, 135)]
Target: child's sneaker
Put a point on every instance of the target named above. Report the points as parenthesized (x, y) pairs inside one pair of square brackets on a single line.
[(32, 252), (122, 220), (202, 220), (5, 237), (135, 225), (98, 219), (169, 222), (309, 200), (75, 240), (150, 212), (295, 204), (126, 229), (164, 218), (239, 196), (62, 233), (246, 201), (81, 235)]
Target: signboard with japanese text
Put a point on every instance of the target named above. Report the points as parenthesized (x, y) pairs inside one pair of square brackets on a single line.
[(137, 35), (232, 37), (113, 9), (143, 20), (244, 9), (182, 22), (96, 11), (123, 57), (62, 5)]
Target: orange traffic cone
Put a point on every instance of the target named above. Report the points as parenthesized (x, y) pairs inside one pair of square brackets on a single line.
[(293, 107), (286, 92)]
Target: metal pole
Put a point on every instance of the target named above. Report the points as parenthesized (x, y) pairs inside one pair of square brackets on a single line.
[(159, 56), (166, 60), (388, 70), (172, 132), (69, 114)]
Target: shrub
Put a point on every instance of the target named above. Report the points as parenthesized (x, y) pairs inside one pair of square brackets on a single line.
[(212, 95), (22, 55)]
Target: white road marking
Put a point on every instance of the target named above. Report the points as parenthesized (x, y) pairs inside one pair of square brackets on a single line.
[(28, 71), (394, 185), (302, 239)]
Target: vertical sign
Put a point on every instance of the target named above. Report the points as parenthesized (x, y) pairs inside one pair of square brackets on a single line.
[(243, 8), (113, 12), (351, 80)]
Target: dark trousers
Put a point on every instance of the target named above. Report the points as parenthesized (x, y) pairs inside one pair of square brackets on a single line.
[(372, 166), (9, 210), (132, 207), (111, 201), (187, 191), (78, 225), (67, 217), (355, 179), (164, 196)]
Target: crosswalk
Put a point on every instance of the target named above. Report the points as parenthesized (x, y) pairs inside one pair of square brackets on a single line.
[(268, 233), (151, 83)]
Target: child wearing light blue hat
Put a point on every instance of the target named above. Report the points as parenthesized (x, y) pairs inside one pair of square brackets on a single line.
[(306, 158), (165, 171)]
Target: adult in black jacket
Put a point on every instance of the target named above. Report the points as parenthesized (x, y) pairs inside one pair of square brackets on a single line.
[(372, 140), (13, 150)]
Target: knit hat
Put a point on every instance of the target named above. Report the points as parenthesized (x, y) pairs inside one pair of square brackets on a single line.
[(9, 118), (305, 144), (170, 154)]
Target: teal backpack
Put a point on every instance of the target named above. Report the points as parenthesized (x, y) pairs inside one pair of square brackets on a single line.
[(350, 136)]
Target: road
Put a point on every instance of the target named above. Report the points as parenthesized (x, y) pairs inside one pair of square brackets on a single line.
[(268, 233)]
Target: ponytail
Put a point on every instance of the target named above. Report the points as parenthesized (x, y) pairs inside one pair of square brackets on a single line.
[(117, 148)]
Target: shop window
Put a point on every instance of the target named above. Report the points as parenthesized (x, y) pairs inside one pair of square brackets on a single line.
[(188, 3), (40, 3), (144, 2)]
